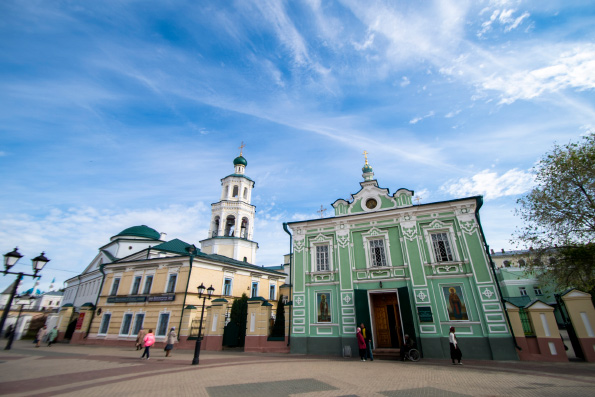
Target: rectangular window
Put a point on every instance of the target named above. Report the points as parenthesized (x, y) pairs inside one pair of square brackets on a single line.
[(136, 285), (148, 284), (105, 323), (322, 263), (442, 247), (171, 284), (115, 286), (254, 289), (227, 287), (537, 291), (377, 255), (163, 323), (272, 292), (139, 319), (523, 291), (126, 322)]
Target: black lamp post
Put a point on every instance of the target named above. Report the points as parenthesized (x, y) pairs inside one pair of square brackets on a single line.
[(10, 259), (23, 300), (201, 290)]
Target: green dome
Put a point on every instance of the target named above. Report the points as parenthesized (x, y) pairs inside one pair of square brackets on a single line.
[(367, 168), (240, 160), (140, 231)]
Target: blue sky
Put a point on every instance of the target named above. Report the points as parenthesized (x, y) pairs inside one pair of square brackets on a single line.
[(120, 113)]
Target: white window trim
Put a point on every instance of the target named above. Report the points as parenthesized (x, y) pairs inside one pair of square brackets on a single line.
[(450, 234), (122, 323), (257, 288), (101, 323), (274, 286), (376, 234), (168, 312), (140, 286), (144, 282), (111, 288), (464, 298), (230, 286), (133, 326), (167, 283), (321, 240)]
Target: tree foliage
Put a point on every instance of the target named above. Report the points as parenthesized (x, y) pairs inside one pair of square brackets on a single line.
[(279, 326), (559, 216)]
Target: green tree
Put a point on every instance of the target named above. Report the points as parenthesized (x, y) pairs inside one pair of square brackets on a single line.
[(279, 326), (239, 316), (559, 216)]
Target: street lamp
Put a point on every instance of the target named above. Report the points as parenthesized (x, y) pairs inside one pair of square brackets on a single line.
[(22, 300), (10, 259), (201, 290)]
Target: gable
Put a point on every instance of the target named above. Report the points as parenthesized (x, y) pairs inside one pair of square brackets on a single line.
[(372, 198)]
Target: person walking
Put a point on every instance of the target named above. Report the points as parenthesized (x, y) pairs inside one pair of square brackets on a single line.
[(171, 339), (40, 335), (361, 344), (149, 341), (455, 351), (140, 339), (52, 335), (368, 340)]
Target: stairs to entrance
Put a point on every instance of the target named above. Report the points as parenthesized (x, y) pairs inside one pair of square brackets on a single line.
[(387, 354)]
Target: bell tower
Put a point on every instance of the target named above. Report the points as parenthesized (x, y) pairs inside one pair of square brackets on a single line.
[(232, 218)]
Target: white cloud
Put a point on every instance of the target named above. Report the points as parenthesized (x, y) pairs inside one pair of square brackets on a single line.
[(418, 119), (405, 81), (490, 185)]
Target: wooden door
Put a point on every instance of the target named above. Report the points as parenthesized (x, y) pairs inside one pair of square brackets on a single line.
[(386, 320)]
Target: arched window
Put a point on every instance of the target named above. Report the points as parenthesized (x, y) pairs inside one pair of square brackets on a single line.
[(235, 191), (244, 228), (245, 193), (522, 263), (216, 227), (230, 224), (227, 191)]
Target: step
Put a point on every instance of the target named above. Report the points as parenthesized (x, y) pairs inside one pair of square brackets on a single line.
[(387, 354)]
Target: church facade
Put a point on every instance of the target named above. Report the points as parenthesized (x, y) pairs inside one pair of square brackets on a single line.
[(400, 269)]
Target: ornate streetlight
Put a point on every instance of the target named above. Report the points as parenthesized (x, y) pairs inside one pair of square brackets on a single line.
[(201, 290), (23, 300), (10, 259)]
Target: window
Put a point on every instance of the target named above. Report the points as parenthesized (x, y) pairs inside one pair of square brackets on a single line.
[(506, 263), (171, 284), (115, 286), (537, 291), (163, 323), (136, 285), (227, 287), (105, 323), (322, 263), (235, 191), (245, 192), (522, 291), (126, 321), (442, 247), (148, 284), (522, 263), (272, 292), (139, 319), (254, 289), (377, 256)]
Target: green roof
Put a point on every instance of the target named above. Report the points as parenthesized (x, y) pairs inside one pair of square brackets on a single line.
[(140, 231), (239, 176), (176, 246), (240, 160)]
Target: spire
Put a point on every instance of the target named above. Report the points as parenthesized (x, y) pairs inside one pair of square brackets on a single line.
[(368, 173)]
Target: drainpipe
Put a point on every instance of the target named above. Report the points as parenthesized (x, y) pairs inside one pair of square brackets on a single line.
[(290, 279), (192, 253), (493, 266), (96, 300)]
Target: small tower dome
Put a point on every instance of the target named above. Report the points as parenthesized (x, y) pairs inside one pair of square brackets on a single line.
[(368, 173), (240, 160)]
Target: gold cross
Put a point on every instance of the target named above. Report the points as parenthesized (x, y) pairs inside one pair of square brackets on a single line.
[(321, 211), (417, 198), (366, 156), (242, 146)]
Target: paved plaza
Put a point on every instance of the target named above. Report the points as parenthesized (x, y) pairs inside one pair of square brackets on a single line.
[(71, 370)]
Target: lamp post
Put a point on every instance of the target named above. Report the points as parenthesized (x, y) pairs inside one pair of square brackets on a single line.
[(10, 259), (23, 300), (201, 290)]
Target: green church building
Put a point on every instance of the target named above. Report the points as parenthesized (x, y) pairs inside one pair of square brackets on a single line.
[(400, 269)]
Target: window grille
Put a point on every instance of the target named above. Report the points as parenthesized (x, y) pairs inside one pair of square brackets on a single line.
[(526, 322), (377, 255), (322, 258), (442, 247)]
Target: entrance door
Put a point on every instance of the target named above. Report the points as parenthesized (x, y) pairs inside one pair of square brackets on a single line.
[(386, 320)]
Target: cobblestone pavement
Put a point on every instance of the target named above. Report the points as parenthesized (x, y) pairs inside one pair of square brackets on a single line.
[(74, 370)]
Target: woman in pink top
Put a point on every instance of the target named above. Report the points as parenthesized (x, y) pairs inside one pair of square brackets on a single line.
[(149, 341)]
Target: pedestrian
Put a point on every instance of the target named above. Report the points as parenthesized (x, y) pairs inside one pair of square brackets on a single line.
[(368, 340), (361, 344), (406, 346), (455, 351), (52, 335), (171, 339), (40, 335), (140, 339), (9, 331), (149, 341)]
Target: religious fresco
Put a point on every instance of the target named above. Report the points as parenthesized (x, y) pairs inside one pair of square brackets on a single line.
[(323, 301), (455, 304)]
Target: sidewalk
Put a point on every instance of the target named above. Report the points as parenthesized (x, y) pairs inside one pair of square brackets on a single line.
[(74, 370)]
